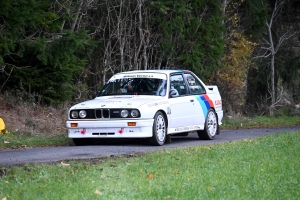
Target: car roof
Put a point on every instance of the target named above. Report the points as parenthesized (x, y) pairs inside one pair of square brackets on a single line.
[(165, 71)]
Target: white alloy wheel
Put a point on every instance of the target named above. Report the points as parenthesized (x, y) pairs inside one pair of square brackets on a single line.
[(159, 129), (211, 126)]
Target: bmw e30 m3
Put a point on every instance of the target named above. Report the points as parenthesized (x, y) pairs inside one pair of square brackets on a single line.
[(151, 104)]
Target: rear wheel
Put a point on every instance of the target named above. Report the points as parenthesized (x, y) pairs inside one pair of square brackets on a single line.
[(211, 126), (81, 141), (159, 129)]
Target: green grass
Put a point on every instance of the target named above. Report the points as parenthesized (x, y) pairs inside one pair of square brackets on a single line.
[(15, 140), (239, 122), (18, 140), (261, 168)]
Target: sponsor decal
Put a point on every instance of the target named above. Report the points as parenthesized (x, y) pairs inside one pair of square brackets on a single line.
[(138, 76), (169, 111), (187, 128), (144, 76), (109, 101), (158, 103), (218, 102)]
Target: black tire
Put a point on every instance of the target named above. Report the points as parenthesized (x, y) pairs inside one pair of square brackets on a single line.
[(81, 141), (159, 129), (211, 126)]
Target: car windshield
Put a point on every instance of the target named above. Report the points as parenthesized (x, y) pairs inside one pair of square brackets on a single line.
[(134, 86)]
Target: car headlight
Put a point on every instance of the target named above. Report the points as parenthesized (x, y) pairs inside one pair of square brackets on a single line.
[(124, 113), (74, 114), (82, 114), (134, 113)]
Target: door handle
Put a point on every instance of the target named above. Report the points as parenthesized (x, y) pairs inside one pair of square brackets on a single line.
[(192, 100)]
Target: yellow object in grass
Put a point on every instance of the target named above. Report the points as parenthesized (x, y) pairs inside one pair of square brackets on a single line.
[(2, 127)]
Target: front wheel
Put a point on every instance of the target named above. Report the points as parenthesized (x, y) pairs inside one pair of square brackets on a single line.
[(211, 126), (159, 129)]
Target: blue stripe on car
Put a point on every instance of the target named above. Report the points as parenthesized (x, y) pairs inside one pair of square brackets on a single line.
[(203, 103)]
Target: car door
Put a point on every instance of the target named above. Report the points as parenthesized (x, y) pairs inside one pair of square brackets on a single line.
[(202, 103), (181, 104)]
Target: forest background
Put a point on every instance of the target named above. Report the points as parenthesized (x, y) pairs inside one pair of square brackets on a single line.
[(60, 52)]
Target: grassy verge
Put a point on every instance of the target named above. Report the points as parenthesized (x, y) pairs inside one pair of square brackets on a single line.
[(16, 140), (239, 122), (261, 168), (19, 140)]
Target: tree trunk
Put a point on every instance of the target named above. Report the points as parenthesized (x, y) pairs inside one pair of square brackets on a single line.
[(272, 85)]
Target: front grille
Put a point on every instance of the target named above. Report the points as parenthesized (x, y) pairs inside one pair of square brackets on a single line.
[(102, 113), (105, 113)]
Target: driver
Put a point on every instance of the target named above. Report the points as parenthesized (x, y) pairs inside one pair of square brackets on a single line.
[(129, 87)]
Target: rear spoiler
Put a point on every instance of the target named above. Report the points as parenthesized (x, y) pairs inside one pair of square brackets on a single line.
[(212, 89)]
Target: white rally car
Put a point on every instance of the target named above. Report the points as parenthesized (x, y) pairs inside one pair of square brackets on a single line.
[(151, 104)]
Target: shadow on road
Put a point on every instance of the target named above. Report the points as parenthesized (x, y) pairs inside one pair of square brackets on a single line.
[(138, 141)]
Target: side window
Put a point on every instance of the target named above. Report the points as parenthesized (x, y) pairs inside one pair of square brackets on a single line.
[(194, 84), (177, 84)]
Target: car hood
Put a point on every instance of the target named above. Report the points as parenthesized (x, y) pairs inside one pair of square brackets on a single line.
[(134, 101)]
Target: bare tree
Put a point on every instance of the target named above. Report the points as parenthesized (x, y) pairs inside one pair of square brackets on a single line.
[(271, 47)]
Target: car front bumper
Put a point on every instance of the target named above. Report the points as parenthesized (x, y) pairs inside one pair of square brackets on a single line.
[(109, 129)]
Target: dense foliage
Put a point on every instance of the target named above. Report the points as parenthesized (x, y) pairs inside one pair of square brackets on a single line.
[(60, 50), (36, 56)]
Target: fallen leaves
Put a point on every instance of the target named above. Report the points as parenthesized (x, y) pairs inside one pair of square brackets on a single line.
[(98, 192), (209, 188), (168, 197), (150, 176), (64, 164)]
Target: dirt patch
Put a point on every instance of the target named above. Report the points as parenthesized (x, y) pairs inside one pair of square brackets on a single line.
[(26, 117), (96, 161)]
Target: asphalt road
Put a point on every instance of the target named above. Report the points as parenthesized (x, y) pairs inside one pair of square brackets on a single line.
[(125, 147)]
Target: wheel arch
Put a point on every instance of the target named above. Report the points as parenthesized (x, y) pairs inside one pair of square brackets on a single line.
[(213, 108), (165, 115)]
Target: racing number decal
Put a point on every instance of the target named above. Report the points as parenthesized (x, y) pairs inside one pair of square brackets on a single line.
[(205, 103)]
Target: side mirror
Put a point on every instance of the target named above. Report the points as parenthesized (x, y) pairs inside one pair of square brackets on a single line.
[(173, 93)]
